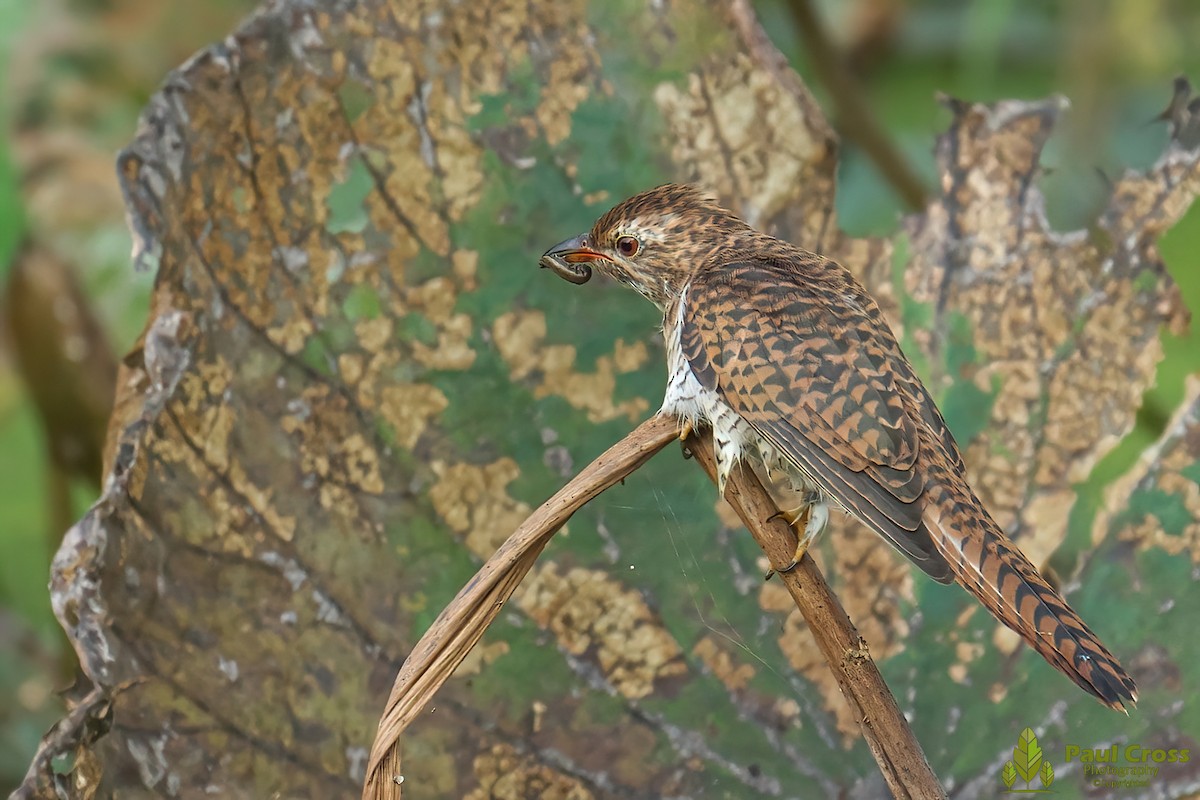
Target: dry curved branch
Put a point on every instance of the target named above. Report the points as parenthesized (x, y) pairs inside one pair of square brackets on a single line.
[(462, 623), (464, 620)]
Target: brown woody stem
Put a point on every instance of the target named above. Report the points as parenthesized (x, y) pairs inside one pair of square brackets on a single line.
[(891, 740)]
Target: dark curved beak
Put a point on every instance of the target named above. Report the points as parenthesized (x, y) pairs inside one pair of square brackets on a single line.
[(571, 259)]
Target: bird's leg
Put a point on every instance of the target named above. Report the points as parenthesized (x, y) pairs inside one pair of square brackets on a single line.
[(686, 427), (791, 516), (816, 516), (723, 468), (725, 462)]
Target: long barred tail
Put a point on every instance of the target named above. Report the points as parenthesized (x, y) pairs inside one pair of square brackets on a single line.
[(990, 566)]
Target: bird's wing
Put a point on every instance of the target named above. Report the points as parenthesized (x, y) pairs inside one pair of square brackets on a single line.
[(802, 354)]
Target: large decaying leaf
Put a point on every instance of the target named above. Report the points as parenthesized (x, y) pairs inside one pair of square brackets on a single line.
[(354, 383)]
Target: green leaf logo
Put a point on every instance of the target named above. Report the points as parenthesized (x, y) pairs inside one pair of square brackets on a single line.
[(1027, 756), (1029, 764), (1047, 774), (1008, 774)]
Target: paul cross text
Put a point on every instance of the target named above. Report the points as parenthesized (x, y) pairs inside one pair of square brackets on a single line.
[(1134, 754)]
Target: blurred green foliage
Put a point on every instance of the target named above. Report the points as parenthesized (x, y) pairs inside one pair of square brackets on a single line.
[(11, 210), (23, 553), (73, 77), (12, 18), (1113, 58)]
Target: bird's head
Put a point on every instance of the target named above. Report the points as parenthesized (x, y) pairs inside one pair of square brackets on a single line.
[(653, 241)]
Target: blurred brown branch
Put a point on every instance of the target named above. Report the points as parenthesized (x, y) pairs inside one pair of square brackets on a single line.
[(68, 367), (64, 358), (856, 119)]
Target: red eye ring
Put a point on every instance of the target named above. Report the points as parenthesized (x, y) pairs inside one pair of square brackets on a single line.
[(628, 246)]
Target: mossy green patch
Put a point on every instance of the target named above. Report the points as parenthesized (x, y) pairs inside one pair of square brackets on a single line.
[(967, 409), (940, 605), (347, 200), (361, 302), (241, 199), (319, 356), (914, 315), (424, 266), (612, 154), (420, 538), (521, 99), (703, 704), (637, 70), (1178, 247), (1169, 509), (1000, 448), (960, 344), (510, 227), (416, 327), (476, 399), (355, 99), (505, 687), (648, 382), (1145, 282), (512, 224)]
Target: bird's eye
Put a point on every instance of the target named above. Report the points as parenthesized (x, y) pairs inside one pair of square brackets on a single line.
[(628, 246)]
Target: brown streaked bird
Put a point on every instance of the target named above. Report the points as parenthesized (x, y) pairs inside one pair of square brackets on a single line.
[(789, 361)]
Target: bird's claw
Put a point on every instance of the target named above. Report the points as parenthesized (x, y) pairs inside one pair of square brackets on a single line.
[(801, 549), (815, 516), (791, 516), (797, 557)]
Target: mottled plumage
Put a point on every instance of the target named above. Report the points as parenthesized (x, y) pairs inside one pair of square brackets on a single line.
[(784, 355)]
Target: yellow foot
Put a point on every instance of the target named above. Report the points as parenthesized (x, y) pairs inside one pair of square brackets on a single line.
[(801, 549), (815, 517), (791, 516)]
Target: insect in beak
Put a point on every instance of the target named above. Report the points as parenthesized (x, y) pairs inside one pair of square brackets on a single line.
[(571, 259)]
